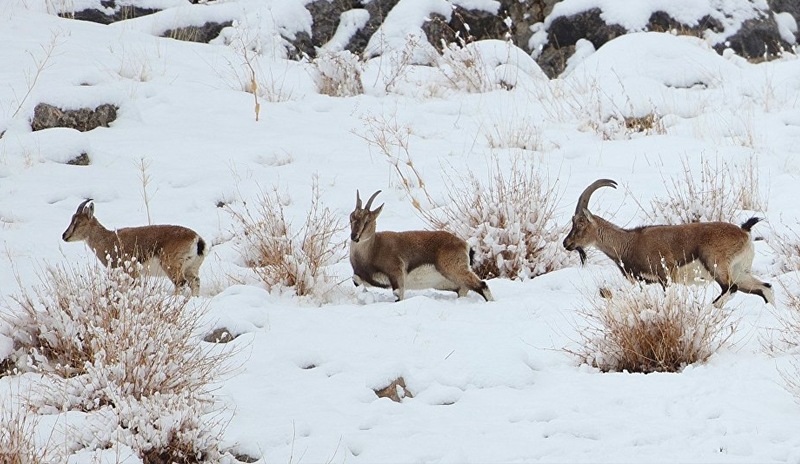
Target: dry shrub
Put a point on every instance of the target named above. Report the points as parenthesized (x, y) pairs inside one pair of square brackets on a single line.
[(649, 124), (17, 438), (161, 428), (283, 256), (515, 133), (785, 339), (786, 247), (338, 74), (647, 328), (718, 194), (508, 219), (109, 343), (464, 69)]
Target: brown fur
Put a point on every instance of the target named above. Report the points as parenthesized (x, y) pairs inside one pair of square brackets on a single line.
[(388, 259), (655, 253), (179, 251)]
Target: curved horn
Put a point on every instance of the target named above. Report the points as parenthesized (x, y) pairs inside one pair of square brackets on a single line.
[(358, 200), (369, 202), (583, 200), (80, 207)]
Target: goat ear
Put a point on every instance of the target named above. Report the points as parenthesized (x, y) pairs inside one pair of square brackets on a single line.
[(89, 210), (588, 216), (378, 210)]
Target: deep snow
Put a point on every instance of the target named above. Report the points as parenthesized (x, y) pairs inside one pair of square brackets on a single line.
[(490, 381)]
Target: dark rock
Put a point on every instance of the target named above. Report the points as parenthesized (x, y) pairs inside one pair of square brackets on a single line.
[(120, 14), (660, 21), (465, 26), (326, 16), (786, 6), (244, 457), (512, 21), (80, 160), (377, 9), (219, 335), (553, 60), (301, 46), (47, 116), (524, 14), (757, 39), (204, 34), (565, 31)]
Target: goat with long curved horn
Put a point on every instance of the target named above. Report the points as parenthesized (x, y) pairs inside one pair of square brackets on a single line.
[(723, 251)]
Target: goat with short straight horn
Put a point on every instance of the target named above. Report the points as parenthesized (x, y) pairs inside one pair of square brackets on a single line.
[(720, 250), (175, 251), (410, 260)]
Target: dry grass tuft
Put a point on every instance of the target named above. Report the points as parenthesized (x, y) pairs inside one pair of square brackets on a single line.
[(648, 124), (785, 339), (515, 133), (338, 74), (464, 69), (84, 319), (786, 248), (717, 192), (285, 257), (17, 438), (122, 347), (508, 219), (644, 328)]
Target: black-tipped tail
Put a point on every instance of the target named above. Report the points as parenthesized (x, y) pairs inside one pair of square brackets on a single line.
[(201, 247), (748, 224)]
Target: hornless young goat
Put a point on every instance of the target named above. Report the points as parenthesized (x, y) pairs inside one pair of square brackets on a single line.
[(658, 253), (409, 260), (176, 251)]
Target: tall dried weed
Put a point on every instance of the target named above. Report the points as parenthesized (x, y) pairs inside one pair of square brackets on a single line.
[(283, 256), (717, 191), (507, 218), (116, 345), (647, 328)]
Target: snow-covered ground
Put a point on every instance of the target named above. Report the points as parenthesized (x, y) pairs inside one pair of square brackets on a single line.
[(490, 381)]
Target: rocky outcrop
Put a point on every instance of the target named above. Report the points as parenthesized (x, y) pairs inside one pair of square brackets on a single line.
[(538, 27), (757, 39), (204, 34), (565, 31), (516, 20), (787, 6), (85, 119), (327, 15), (80, 160), (110, 13)]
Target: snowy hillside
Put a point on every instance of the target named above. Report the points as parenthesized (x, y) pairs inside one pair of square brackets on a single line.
[(192, 144)]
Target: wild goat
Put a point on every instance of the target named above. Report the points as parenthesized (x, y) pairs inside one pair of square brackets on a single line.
[(176, 251), (658, 253), (409, 260)]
